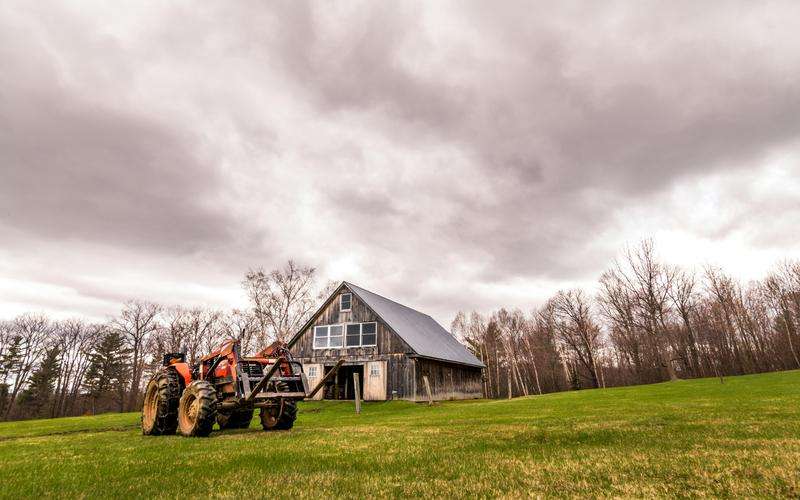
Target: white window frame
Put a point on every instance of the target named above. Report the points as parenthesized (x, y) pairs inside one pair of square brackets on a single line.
[(345, 336), (327, 337), (341, 336), (312, 372), (344, 345), (375, 370), (376, 334), (341, 299)]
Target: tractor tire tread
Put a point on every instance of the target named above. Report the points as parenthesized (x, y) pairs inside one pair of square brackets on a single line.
[(169, 395), (207, 412), (286, 420)]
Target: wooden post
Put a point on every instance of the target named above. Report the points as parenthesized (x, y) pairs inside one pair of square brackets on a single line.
[(357, 392), (428, 389)]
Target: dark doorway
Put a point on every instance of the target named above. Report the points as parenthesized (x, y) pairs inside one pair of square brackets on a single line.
[(341, 385)]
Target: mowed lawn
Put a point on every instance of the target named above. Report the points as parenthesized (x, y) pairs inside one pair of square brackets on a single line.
[(686, 438)]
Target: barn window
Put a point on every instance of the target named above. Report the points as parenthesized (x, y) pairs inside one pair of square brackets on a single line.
[(312, 371), (320, 337), (375, 370), (335, 339), (327, 336), (353, 335), (346, 302), (369, 336), (349, 335)]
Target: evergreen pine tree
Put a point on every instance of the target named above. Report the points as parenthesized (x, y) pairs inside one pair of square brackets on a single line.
[(108, 373), (36, 397), (9, 360)]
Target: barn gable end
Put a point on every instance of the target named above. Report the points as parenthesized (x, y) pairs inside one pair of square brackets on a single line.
[(390, 347)]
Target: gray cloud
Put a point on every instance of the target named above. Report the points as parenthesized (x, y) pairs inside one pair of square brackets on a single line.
[(402, 145)]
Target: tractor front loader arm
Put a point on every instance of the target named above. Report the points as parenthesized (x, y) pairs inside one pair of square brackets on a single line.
[(263, 382)]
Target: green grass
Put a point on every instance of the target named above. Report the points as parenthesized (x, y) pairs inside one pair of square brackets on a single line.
[(686, 438)]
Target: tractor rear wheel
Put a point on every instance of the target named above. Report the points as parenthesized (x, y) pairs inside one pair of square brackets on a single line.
[(280, 418), (197, 409), (236, 420), (160, 410)]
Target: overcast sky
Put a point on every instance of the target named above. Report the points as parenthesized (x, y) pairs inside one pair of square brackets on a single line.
[(447, 155)]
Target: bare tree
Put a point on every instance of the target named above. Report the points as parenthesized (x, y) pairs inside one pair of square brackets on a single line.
[(282, 299), (74, 340), (512, 326), (640, 287), (31, 332), (577, 330), (242, 326), (135, 323), (203, 332), (682, 294), (783, 288)]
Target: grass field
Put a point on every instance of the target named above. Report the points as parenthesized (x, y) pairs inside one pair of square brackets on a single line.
[(686, 438)]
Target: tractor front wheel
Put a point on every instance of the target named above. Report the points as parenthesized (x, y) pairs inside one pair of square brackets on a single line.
[(160, 410), (279, 418), (198, 409)]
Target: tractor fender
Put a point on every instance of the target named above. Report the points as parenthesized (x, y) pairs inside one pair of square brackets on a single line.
[(184, 371)]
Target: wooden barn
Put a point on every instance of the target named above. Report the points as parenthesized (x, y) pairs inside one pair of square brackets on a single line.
[(391, 346)]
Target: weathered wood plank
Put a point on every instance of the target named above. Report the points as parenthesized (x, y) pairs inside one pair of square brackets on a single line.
[(357, 388)]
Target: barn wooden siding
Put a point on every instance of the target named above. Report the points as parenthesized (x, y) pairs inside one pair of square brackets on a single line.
[(448, 381), (403, 370), (388, 342), (390, 348)]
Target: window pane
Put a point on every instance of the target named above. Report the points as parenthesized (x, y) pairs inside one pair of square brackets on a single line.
[(321, 343), (353, 335), (369, 336), (375, 370), (336, 331), (335, 342), (320, 331), (346, 300)]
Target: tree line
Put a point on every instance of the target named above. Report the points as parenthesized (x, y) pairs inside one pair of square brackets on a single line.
[(69, 367), (647, 322)]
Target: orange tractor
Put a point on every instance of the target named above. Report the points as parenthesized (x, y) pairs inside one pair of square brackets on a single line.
[(226, 388)]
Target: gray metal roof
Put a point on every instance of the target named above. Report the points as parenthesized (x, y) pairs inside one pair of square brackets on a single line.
[(421, 332)]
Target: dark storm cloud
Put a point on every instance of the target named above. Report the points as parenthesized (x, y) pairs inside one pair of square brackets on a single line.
[(472, 144), (84, 173), (623, 101), (81, 166)]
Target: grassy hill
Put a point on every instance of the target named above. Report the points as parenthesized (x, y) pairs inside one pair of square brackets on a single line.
[(698, 437)]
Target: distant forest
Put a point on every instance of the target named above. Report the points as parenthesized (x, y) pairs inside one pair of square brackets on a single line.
[(648, 322)]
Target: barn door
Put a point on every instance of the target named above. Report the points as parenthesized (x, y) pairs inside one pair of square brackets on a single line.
[(375, 381), (314, 374)]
